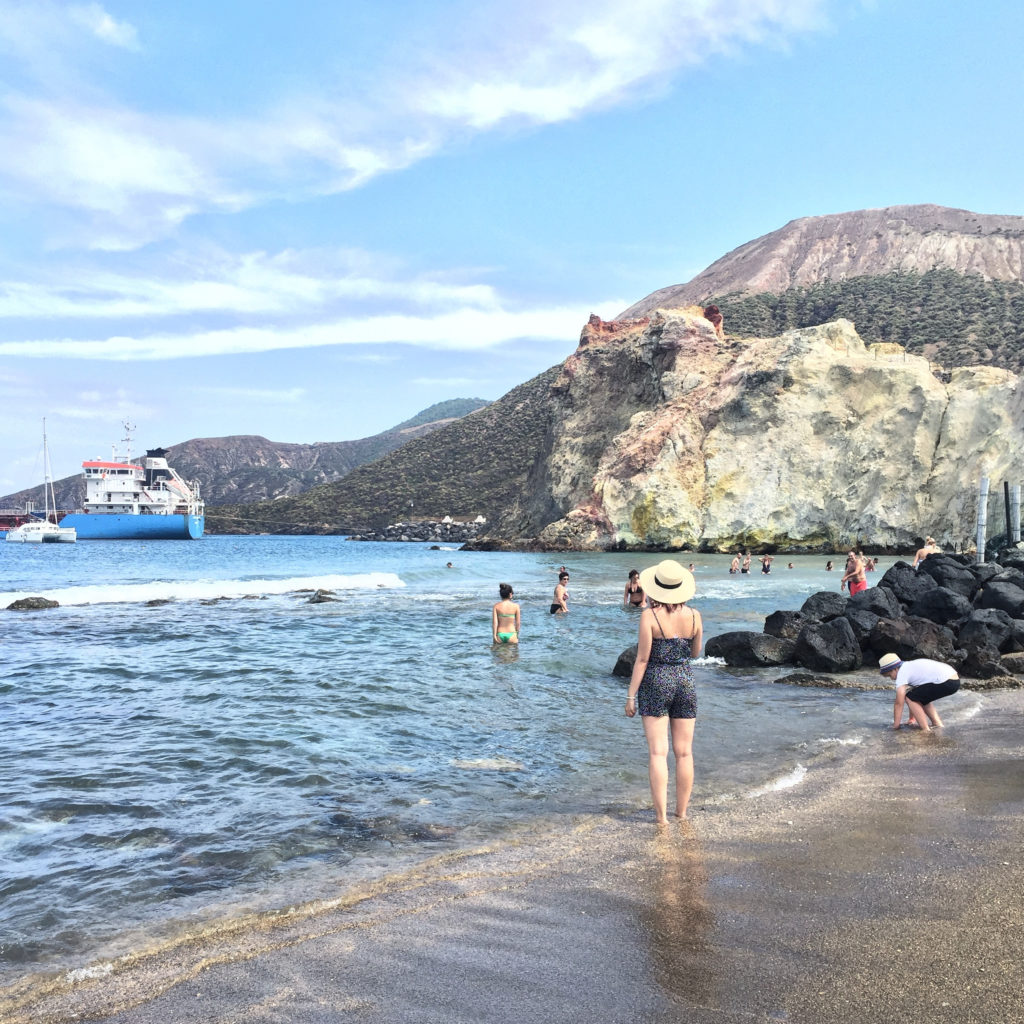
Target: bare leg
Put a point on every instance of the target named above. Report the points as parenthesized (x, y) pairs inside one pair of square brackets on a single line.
[(682, 747), (933, 715), (656, 731), (918, 715)]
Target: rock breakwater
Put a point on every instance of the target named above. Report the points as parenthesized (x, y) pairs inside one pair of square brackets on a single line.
[(435, 531), (968, 615)]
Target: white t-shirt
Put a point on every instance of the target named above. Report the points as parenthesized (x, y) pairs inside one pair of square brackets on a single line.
[(923, 670)]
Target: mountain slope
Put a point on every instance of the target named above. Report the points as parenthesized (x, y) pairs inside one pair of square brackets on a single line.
[(482, 464)]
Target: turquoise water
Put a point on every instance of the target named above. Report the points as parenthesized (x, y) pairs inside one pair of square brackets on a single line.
[(188, 731)]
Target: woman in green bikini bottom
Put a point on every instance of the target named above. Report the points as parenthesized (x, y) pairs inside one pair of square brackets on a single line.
[(505, 617)]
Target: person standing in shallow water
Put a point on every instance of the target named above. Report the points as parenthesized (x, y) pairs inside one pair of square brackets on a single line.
[(633, 595), (661, 686), (505, 617), (560, 601)]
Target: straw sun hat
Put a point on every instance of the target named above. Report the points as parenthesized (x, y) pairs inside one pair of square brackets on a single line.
[(888, 662), (668, 582)]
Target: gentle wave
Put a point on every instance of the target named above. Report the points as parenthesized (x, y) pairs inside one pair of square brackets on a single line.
[(787, 781), (204, 590)]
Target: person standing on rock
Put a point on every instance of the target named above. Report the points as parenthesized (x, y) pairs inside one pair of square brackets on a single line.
[(661, 685), (919, 684), (560, 602), (854, 574), (930, 548)]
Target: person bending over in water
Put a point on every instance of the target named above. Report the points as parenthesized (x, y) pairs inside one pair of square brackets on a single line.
[(919, 684), (505, 617), (633, 595), (560, 602), (661, 686)]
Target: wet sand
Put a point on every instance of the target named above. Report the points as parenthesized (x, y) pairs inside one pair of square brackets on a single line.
[(885, 887)]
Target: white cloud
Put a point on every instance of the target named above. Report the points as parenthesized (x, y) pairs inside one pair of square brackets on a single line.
[(463, 329), (132, 176), (97, 21), (250, 283)]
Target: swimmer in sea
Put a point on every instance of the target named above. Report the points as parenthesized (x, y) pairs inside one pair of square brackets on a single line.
[(559, 604), (735, 564), (505, 617), (633, 595), (745, 568)]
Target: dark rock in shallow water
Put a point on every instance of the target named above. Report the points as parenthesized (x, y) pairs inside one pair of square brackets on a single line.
[(746, 649), (879, 600), (627, 659), (862, 622), (828, 647), (985, 627), (942, 606), (828, 682), (32, 604), (906, 584), (913, 637), (785, 625), (1014, 662), (981, 661), (1003, 595), (823, 606), (952, 576), (321, 597)]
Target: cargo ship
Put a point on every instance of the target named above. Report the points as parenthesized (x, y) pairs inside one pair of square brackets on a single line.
[(144, 499)]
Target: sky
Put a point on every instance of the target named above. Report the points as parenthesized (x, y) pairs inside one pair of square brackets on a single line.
[(312, 220)]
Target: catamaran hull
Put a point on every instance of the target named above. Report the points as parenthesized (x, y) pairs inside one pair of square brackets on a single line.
[(126, 526)]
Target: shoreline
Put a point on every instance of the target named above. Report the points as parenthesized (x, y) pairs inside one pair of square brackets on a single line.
[(883, 884)]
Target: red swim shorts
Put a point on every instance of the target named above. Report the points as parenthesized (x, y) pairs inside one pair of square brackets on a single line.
[(856, 586)]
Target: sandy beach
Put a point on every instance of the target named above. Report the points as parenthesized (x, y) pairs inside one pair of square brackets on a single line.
[(884, 887)]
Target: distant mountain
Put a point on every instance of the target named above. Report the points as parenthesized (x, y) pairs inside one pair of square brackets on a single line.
[(482, 464), (864, 243), (248, 468), (945, 284)]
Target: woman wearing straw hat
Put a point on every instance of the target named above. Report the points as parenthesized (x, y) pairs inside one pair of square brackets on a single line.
[(662, 682)]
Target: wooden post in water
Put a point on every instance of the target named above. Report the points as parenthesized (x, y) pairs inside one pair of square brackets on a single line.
[(982, 518), (1015, 514)]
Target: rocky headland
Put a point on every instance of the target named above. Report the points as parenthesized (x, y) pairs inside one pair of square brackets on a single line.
[(665, 437)]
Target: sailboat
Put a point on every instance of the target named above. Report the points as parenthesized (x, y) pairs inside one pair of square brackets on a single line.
[(43, 531)]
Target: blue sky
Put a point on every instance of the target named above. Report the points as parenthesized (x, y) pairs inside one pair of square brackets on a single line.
[(309, 221)]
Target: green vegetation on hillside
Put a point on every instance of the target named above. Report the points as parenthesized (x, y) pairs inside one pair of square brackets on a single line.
[(953, 319), (453, 409), (477, 465)]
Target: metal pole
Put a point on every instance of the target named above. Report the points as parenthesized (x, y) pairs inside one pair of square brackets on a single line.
[(1015, 514), (1006, 508), (982, 518)]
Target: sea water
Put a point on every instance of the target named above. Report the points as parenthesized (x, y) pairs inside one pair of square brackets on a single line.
[(187, 732)]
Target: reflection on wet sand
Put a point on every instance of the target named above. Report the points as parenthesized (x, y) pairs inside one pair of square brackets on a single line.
[(677, 917)]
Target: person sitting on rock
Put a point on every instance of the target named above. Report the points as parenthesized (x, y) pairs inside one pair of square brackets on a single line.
[(930, 548), (919, 684)]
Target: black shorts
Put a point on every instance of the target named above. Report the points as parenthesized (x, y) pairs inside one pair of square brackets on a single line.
[(925, 693)]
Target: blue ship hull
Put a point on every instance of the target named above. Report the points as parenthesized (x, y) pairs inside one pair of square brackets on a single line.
[(123, 526)]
